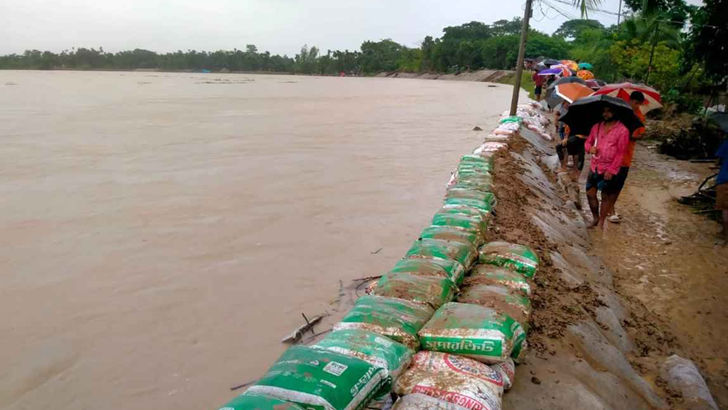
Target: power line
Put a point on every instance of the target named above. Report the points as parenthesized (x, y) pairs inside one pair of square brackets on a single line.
[(632, 16)]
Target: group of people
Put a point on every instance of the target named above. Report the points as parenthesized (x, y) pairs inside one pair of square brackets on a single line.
[(611, 146)]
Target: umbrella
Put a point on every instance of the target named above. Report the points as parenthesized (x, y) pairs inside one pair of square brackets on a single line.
[(595, 84), (551, 98), (567, 80), (571, 64), (585, 75), (572, 92), (585, 66), (586, 112), (550, 62), (565, 71), (550, 71), (623, 91)]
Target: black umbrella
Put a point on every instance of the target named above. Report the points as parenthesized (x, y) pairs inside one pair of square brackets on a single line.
[(586, 112), (566, 80), (549, 62)]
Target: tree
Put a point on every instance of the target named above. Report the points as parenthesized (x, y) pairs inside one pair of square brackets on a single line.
[(708, 40), (380, 56), (571, 29), (585, 6), (472, 31), (506, 27)]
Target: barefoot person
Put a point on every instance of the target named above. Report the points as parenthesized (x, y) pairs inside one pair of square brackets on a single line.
[(636, 99), (607, 143), (721, 202), (538, 81)]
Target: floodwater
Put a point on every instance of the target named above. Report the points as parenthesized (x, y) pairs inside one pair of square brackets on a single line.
[(160, 233)]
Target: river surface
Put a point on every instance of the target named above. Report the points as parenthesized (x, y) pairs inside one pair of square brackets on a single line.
[(160, 233)]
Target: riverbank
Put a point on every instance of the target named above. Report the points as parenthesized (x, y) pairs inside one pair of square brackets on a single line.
[(489, 76)]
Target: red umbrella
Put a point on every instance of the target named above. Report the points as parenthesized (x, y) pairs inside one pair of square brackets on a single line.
[(623, 91)]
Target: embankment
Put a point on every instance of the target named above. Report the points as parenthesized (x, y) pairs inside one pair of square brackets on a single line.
[(490, 76)]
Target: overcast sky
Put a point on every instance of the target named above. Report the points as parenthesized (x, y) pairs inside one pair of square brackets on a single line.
[(279, 26)]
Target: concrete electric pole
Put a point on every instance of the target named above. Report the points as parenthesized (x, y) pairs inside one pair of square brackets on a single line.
[(521, 55)]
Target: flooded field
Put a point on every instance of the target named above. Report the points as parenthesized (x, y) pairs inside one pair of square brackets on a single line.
[(162, 232)]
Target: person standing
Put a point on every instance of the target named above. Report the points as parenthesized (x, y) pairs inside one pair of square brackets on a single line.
[(636, 100), (607, 143), (538, 80), (721, 200)]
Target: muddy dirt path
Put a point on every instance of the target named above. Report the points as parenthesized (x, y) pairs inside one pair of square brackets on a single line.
[(666, 263)]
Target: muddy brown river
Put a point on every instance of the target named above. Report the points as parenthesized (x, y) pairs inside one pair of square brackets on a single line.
[(160, 233)]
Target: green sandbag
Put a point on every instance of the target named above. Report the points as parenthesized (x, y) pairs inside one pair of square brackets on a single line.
[(487, 197), (449, 233), (481, 185), (484, 160), (497, 276), (431, 290), (394, 318), (484, 206), (473, 331), (444, 268), (519, 258), (254, 402), (462, 210), (511, 120), (465, 254), (320, 380), (501, 299), (469, 223), (373, 348)]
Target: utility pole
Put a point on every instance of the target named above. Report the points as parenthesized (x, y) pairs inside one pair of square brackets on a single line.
[(619, 15), (521, 55), (652, 53)]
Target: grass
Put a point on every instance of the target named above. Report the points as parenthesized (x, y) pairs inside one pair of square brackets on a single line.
[(526, 82)]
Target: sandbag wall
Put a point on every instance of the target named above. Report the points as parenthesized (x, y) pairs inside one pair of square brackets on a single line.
[(439, 330)]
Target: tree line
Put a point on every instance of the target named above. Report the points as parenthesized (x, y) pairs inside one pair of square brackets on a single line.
[(668, 42)]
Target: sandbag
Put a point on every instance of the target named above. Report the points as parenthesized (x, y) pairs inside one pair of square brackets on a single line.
[(320, 380), (430, 290), (445, 268), (255, 402), (487, 161), (487, 197), (484, 185), (453, 379), (497, 276), (419, 401), (519, 258), (501, 299), (449, 233), (507, 372), (473, 331), (373, 348), (485, 206), (464, 210), (398, 319), (456, 218), (465, 254)]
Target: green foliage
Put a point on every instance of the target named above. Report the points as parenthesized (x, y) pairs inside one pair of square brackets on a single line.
[(572, 29), (585, 6), (684, 102), (707, 41), (632, 59)]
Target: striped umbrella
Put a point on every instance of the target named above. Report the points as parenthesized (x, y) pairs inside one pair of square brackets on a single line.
[(652, 97)]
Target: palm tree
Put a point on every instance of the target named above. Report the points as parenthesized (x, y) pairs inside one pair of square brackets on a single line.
[(585, 6)]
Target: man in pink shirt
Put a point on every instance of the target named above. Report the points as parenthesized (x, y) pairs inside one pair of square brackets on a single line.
[(607, 143)]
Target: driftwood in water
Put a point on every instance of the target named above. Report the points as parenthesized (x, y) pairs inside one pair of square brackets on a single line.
[(298, 333)]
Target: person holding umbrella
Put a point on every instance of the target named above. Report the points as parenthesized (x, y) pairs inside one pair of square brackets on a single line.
[(607, 143), (609, 122), (636, 100)]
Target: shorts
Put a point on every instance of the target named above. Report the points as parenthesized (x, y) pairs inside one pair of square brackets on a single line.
[(721, 199), (620, 178), (575, 147), (596, 180), (537, 91)]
